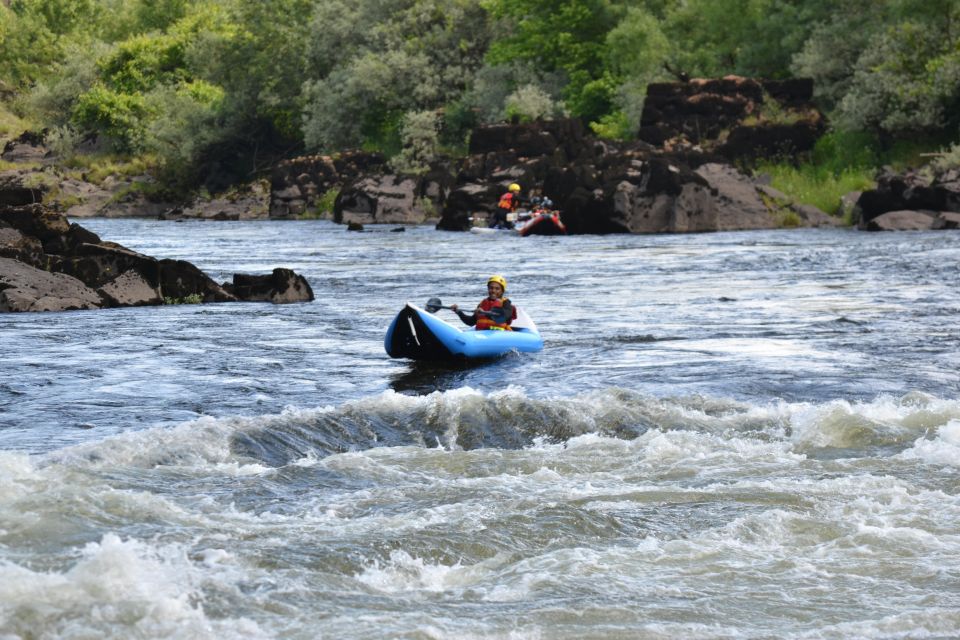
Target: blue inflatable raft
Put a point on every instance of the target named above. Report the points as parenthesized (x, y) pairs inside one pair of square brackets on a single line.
[(420, 335)]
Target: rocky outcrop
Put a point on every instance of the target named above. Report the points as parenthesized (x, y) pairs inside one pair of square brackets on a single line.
[(298, 185), (393, 199), (602, 187), (280, 287), (740, 118), (26, 288), (914, 221), (49, 264), (28, 147), (244, 202), (180, 280), (924, 194)]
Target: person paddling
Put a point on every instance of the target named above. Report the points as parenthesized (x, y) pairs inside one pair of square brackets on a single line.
[(494, 312)]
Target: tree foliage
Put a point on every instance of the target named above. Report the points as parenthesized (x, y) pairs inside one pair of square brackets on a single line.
[(203, 84)]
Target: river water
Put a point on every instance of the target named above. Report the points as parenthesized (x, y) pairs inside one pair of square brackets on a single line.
[(730, 435)]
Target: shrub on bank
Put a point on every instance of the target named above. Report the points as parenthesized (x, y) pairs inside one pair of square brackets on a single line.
[(842, 162)]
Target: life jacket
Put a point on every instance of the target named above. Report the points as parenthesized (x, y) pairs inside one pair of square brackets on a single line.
[(483, 322), (508, 201)]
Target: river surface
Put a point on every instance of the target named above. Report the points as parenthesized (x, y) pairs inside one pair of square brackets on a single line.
[(729, 435)]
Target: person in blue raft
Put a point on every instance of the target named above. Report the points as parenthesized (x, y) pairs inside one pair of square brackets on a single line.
[(494, 312)]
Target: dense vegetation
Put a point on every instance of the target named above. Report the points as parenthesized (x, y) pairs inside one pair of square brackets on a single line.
[(211, 90)]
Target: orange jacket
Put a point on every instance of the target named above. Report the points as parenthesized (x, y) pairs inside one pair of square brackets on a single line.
[(483, 322), (509, 201)]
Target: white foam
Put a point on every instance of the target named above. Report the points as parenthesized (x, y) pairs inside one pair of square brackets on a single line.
[(944, 449), (17, 472), (934, 622), (403, 573), (118, 588), (884, 420), (215, 556)]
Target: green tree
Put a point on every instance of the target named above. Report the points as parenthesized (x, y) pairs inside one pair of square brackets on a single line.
[(749, 37), (636, 51), (393, 57), (567, 36)]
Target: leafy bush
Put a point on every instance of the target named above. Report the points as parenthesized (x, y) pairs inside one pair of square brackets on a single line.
[(142, 62), (193, 298), (528, 103), (838, 151), (947, 159), (324, 208), (900, 82), (419, 133), (11, 125), (121, 116), (184, 125), (614, 126), (63, 141), (52, 100)]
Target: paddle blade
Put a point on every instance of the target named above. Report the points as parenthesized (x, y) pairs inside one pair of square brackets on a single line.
[(433, 305)]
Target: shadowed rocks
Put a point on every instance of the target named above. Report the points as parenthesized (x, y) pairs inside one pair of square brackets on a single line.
[(48, 264)]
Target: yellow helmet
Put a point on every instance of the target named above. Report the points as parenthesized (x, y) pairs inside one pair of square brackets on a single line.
[(500, 280), (514, 188)]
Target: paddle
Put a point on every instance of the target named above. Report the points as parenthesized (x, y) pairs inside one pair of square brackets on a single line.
[(433, 305)]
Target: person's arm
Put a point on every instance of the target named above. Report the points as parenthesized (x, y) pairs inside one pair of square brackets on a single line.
[(468, 318)]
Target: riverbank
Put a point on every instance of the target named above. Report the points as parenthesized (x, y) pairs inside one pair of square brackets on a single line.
[(712, 155)]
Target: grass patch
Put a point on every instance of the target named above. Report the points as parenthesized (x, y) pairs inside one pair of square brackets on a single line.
[(6, 165), (193, 298), (843, 162), (818, 185), (96, 168), (11, 125), (788, 219)]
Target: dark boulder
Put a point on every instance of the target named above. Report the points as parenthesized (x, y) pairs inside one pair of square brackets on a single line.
[(540, 138), (28, 147), (771, 140), (130, 289), (180, 280), (947, 220), (37, 221), (26, 288), (741, 118), (297, 185), (98, 264), (393, 199), (283, 286), (14, 193), (48, 264), (910, 190), (903, 221), (467, 201)]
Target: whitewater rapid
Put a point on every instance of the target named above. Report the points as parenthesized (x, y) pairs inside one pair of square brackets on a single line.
[(752, 435)]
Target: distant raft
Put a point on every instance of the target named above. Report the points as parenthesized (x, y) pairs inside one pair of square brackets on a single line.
[(543, 224), (419, 335)]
